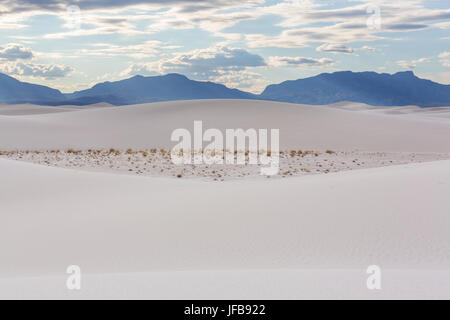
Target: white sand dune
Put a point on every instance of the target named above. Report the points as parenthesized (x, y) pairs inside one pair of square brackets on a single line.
[(156, 237), (301, 126), (305, 237), (435, 113), (31, 109)]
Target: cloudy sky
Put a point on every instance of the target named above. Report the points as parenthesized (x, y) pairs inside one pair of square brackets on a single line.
[(73, 44)]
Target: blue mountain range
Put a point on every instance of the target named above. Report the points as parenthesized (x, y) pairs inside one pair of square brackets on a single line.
[(399, 89), (402, 88)]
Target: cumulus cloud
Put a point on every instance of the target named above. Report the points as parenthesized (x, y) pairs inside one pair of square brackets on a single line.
[(412, 63), (334, 48), (298, 61), (37, 70), (14, 51), (245, 79), (142, 69), (203, 63), (229, 66)]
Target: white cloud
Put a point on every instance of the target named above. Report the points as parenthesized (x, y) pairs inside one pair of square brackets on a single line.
[(36, 70), (345, 25), (445, 59), (367, 48), (334, 48), (298, 61), (229, 66), (244, 79), (142, 69), (412, 63), (14, 51), (111, 17), (263, 41), (202, 63), (147, 49), (12, 55), (300, 37)]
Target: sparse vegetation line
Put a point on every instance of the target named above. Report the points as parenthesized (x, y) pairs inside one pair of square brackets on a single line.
[(157, 161)]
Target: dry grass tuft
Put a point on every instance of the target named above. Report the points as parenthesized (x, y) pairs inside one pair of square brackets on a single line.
[(73, 151), (114, 151)]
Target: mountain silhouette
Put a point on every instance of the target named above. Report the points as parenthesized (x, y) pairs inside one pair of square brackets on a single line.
[(139, 89), (15, 91), (399, 89)]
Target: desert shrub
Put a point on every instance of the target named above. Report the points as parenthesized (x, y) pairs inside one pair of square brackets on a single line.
[(72, 151), (114, 151)]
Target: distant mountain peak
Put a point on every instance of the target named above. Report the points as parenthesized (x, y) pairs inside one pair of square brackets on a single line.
[(140, 89), (175, 75), (15, 91), (401, 88), (408, 73)]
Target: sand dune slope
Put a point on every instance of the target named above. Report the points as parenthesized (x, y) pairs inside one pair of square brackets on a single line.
[(346, 127), (155, 237)]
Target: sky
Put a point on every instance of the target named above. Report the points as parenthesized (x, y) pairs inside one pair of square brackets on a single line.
[(72, 45)]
